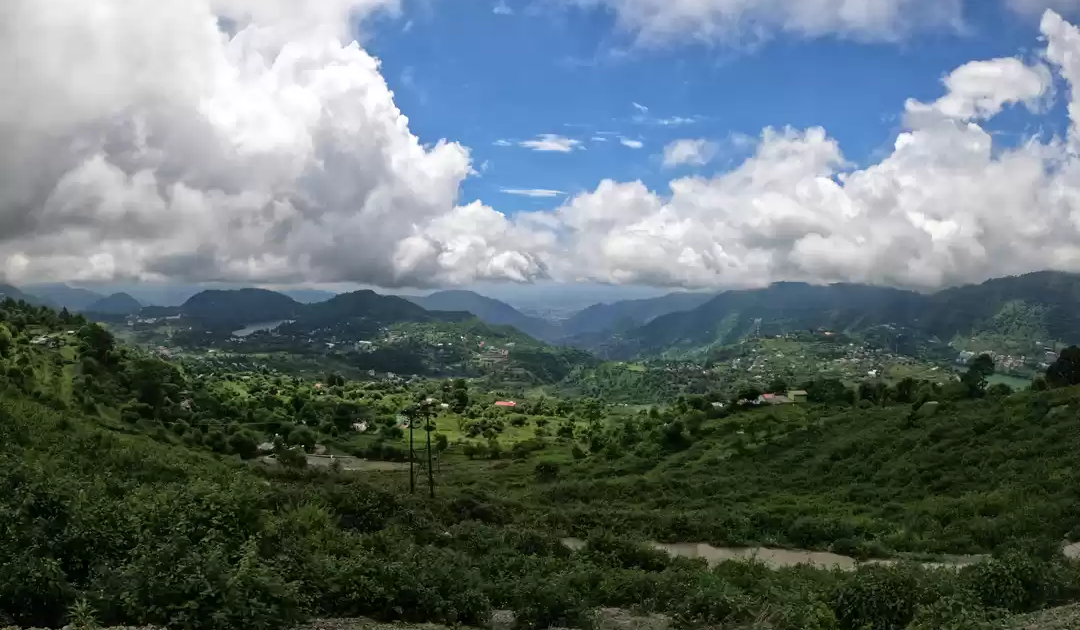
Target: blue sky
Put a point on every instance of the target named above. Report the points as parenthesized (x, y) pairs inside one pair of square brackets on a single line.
[(468, 72), (914, 143)]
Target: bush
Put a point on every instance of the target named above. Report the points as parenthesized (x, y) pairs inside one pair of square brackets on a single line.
[(291, 458), (877, 598), (546, 472), (1018, 583)]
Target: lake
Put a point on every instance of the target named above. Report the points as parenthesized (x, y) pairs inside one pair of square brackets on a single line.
[(261, 326)]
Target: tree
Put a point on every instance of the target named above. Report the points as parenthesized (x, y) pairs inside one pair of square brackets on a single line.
[(6, 340), (243, 444), (494, 449), (459, 396), (1066, 370), (975, 378), (475, 450), (905, 390), (302, 436), (546, 471), (97, 342), (777, 386), (999, 390), (291, 458), (748, 393)]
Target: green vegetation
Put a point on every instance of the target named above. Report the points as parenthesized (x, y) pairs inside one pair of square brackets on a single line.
[(1015, 316), (132, 492)]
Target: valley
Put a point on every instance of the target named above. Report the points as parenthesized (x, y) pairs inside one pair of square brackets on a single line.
[(364, 456)]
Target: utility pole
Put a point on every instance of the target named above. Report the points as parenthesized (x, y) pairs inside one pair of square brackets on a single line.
[(430, 475), (412, 475), (415, 413)]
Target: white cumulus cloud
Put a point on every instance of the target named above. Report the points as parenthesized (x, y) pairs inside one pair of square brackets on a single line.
[(270, 150), (1037, 7), (695, 152), (633, 144), (551, 142), (947, 206), (140, 140), (532, 192)]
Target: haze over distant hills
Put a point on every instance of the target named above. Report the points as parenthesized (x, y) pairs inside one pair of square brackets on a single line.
[(8, 291), (1029, 308), (115, 304), (1043, 306), (490, 311), (71, 298)]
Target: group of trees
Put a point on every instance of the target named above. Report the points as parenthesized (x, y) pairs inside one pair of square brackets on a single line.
[(120, 529), (139, 527)]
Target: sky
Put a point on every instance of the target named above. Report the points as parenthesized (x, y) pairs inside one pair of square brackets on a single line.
[(659, 144)]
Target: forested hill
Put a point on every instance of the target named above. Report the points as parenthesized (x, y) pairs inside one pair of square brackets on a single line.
[(605, 318), (1042, 306), (9, 292), (490, 311), (115, 304), (61, 295), (781, 308), (227, 309), (375, 307)]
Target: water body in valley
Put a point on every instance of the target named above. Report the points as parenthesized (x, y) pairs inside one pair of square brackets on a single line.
[(251, 329)]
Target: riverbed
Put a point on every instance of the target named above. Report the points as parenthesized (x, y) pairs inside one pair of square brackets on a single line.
[(781, 558)]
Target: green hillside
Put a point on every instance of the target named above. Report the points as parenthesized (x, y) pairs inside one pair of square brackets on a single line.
[(1016, 315), (489, 311), (131, 493), (969, 478)]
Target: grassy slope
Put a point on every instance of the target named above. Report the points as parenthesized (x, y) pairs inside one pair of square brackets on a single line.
[(968, 479)]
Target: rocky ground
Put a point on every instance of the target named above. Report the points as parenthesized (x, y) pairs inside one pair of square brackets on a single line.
[(1064, 618)]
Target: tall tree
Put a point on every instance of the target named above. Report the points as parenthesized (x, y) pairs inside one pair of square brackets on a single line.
[(1066, 370), (975, 378)]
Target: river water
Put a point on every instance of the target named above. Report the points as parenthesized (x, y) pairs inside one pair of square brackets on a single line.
[(777, 558)]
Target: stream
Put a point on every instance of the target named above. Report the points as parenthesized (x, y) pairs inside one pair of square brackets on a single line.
[(782, 558)]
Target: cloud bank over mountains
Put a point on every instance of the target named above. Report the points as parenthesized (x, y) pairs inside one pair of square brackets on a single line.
[(152, 139)]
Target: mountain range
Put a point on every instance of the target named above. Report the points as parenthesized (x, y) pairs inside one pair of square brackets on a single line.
[(596, 320), (64, 296), (489, 311), (14, 293), (115, 304), (1043, 306), (235, 308)]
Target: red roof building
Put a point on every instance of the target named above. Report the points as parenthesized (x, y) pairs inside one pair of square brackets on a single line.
[(506, 403)]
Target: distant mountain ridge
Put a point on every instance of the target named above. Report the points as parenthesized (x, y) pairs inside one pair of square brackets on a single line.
[(490, 311), (236, 308), (603, 317), (115, 304), (597, 321), (9, 291), (62, 295), (1043, 306)]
